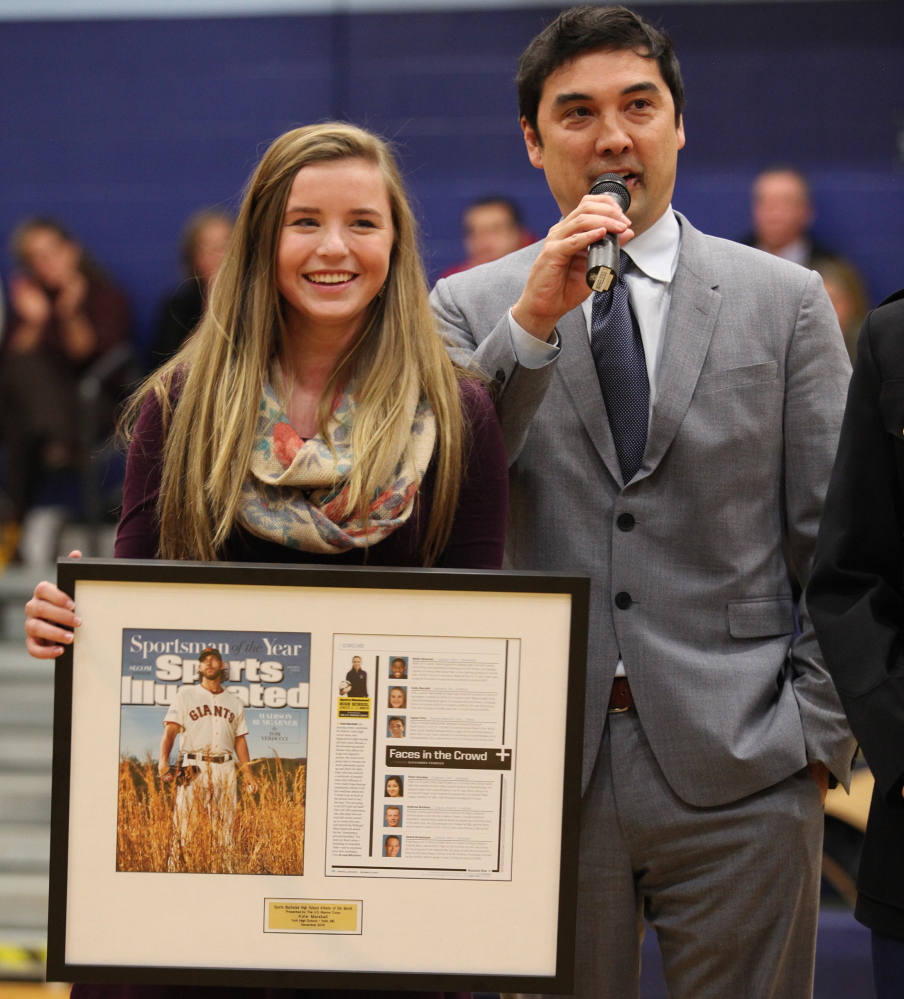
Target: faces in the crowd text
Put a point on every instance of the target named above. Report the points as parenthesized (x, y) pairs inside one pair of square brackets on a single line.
[(397, 697), (334, 249), (393, 816), (781, 210), (392, 846), (51, 259), (396, 728), (490, 233), (210, 248), (393, 788), (608, 111)]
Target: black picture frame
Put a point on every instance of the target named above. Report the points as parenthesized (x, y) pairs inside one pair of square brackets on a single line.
[(185, 576)]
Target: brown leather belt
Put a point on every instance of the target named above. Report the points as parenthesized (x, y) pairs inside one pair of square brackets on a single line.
[(621, 698)]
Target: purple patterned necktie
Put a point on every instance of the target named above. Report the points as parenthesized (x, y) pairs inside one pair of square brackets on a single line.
[(622, 369)]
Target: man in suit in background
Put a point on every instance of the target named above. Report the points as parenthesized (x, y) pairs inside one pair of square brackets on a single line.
[(857, 600), (663, 436), (493, 227), (782, 215)]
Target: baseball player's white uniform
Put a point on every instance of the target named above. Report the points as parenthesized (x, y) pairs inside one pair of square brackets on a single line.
[(210, 724)]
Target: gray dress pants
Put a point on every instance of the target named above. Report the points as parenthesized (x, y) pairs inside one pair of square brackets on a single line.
[(732, 891)]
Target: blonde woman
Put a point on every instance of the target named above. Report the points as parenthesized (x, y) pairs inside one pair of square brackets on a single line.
[(315, 416)]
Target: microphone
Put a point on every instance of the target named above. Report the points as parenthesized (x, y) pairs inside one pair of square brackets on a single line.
[(602, 258)]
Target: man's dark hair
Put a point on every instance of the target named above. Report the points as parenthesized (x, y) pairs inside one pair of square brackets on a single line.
[(581, 29), (510, 206)]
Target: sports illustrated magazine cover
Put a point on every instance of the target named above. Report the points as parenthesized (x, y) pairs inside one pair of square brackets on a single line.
[(213, 747)]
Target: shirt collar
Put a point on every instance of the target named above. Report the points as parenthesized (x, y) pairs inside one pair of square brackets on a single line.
[(797, 251), (655, 251)]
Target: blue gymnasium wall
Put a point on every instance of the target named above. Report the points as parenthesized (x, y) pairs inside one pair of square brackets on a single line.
[(123, 128)]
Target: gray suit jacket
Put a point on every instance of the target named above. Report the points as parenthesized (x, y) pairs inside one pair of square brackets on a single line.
[(743, 434)]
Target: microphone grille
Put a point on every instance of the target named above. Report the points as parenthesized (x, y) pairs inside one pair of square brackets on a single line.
[(613, 185)]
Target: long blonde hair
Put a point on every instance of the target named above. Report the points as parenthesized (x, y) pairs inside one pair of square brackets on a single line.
[(220, 371)]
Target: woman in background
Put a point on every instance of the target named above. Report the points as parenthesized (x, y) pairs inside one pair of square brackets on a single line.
[(315, 416), (203, 246), (845, 288), (64, 314)]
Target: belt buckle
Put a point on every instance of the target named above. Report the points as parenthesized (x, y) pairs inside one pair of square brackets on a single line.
[(621, 695)]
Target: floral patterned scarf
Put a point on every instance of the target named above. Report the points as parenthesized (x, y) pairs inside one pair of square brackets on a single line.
[(295, 490)]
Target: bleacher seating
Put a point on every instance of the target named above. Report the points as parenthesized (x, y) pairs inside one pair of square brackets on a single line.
[(26, 726)]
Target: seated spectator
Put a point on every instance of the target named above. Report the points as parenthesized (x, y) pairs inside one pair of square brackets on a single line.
[(64, 315), (203, 245), (782, 215), (492, 228), (845, 288)]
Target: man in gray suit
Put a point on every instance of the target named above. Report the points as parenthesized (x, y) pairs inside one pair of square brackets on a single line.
[(667, 437)]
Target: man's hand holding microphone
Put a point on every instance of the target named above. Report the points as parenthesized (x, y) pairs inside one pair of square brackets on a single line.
[(578, 251)]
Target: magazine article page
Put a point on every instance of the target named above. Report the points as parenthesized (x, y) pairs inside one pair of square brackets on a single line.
[(422, 757), (188, 803)]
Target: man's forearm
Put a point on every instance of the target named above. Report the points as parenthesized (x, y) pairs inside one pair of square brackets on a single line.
[(166, 747)]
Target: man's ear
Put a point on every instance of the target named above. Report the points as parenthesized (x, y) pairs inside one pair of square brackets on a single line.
[(533, 143), (680, 129)]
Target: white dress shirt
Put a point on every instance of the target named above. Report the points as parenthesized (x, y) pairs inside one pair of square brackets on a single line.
[(654, 256), (798, 251)]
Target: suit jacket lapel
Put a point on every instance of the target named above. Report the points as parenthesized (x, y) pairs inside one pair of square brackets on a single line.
[(692, 317), (578, 370)]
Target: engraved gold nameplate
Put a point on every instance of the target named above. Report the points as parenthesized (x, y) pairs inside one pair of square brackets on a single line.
[(312, 915)]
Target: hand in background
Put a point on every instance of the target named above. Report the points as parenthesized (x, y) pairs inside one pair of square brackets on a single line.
[(71, 296), (32, 305)]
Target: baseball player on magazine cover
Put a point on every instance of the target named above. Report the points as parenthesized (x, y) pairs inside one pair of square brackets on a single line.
[(213, 747), (210, 724)]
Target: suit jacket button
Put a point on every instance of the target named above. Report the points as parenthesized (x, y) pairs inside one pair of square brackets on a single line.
[(625, 522), (623, 600), (500, 376)]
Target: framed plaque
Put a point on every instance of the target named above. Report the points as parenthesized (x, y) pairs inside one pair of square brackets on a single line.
[(318, 777)]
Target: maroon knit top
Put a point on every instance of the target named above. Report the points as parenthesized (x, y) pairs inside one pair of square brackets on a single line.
[(478, 531)]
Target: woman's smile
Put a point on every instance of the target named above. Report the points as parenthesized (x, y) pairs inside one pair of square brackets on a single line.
[(334, 247)]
